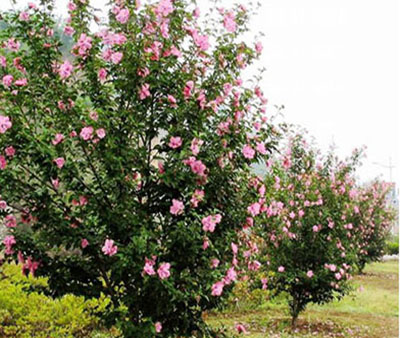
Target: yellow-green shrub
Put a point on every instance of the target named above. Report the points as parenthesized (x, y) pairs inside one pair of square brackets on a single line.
[(32, 314)]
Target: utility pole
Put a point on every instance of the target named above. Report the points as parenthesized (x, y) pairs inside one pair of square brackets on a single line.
[(390, 167)]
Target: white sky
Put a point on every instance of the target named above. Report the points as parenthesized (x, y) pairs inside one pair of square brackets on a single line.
[(334, 65)]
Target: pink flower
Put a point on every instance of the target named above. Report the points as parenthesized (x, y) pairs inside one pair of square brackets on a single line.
[(261, 148), (217, 288), (101, 133), (281, 269), (59, 162), (3, 162), (158, 327), (229, 22), (163, 270), (84, 243), (248, 151), (8, 80), (177, 207), (9, 241), (13, 45), (210, 222), (310, 273), (164, 8), (195, 146), (214, 263), (123, 16), (149, 267), (83, 45), (10, 221), (55, 182), (10, 151), (21, 82), (109, 248), (338, 276), (254, 209), (175, 142), (240, 328), (86, 133), (3, 61), (187, 91), (201, 41), (71, 6), (206, 244), (172, 101), (116, 57), (197, 166), (144, 91), (315, 228), (66, 69), (102, 75), (24, 16), (5, 124), (57, 139), (68, 30), (259, 47), (197, 197)]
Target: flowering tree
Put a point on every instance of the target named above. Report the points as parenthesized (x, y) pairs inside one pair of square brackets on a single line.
[(124, 167), (373, 216), (308, 245)]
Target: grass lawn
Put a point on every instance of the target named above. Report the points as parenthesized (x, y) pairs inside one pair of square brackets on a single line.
[(370, 311)]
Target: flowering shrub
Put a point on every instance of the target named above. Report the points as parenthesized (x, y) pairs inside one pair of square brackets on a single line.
[(124, 168), (307, 247), (373, 217)]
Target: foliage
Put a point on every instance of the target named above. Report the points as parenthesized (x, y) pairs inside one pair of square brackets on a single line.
[(392, 247), (125, 169), (32, 314)]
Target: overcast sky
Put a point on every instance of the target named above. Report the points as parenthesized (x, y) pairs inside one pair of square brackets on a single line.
[(334, 65)]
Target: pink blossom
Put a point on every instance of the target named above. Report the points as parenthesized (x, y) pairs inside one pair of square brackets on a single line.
[(338, 276), (116, 57), (172, 101), (9, 241), (231, 275), (86, 133), (84, 243), (175, 142), (197, 166), (71, 6), (69, 31), (248, 151), (83, 45), (66, 69), (13, 45), (310, 273), (31, 5), (102, 75), (59, 162), (315, 228), (281, 269), (3, 204), (24, 16), (57, 139), (94, 115), (149, 267), (259, 47), (214, 263), (163, 271), (55, 182), (164, 8), (206, 244), (5, 124), (210, 222), (158, 327), (187, 91), (229, 22), (201, 41), (8, 80), (10, 221), (195, 146), (123, 16), (10, 151), (3, 61), (197, 197), (101, 133), (217, 288), (261, 148), (177, 207), (21, 82), (240, 328), (254, 209), (109, 248), (144, 91)]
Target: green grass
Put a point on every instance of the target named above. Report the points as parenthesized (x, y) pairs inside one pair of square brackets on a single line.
[(370, 311)]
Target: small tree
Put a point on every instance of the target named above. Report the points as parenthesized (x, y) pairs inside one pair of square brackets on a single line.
[(372, 216), (307, 248), (126, 167)]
